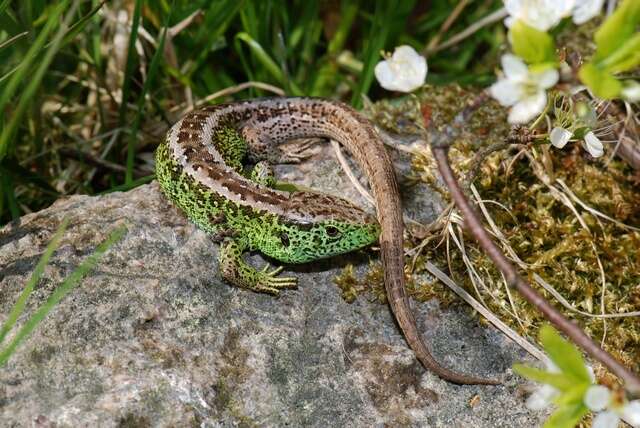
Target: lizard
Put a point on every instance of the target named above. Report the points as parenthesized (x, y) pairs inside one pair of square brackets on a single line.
[(199, 167)]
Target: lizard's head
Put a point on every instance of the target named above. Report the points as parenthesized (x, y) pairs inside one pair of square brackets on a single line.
[(322, 226)]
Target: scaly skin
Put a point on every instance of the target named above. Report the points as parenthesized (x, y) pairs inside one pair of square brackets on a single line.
[(199, 167)]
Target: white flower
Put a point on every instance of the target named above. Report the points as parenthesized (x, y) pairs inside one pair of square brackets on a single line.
[(593, 145), (631, 91), (560, 137), (631, 413), (586, 9), (545, 14), (606, 420), (522, 89), (539, 14), (404, 71), (598, 398), (541, 398)]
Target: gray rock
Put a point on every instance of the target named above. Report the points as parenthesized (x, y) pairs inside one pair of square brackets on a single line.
[(154, 337)]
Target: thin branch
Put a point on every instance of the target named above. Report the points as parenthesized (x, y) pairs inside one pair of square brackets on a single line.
[(440, 143), (515, 281), (447, 24), (479, 158), (487, 20)]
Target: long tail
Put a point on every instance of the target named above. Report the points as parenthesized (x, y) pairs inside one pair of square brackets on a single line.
[(383, 182), (281, 119)]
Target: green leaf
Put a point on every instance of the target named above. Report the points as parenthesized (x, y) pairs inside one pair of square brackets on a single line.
[(532, 45), (559, 381), (564, 354), (624, 58), (566, 416), (573, 395), (617, 28), (601, 83)]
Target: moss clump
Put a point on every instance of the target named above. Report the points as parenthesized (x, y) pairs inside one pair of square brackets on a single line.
[(372, 282), (528, 186)]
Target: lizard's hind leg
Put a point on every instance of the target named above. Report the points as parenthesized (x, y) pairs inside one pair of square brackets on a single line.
[(263, 147)]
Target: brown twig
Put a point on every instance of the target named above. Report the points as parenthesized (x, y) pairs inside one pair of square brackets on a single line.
[(94, 160), (440, 146), (479, 158), (469, 31), (447, 24)]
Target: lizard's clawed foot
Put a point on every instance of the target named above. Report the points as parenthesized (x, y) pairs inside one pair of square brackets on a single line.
[(268, 282)]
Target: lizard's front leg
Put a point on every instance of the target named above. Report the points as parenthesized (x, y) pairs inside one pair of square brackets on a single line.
[(238, 272)]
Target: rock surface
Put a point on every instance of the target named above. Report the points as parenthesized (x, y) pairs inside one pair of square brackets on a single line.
[(153, 337)]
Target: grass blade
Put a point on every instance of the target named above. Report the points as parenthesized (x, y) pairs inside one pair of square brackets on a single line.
[(153, 69), (3, 6), (60, 292), (29, 57), (12, 40), (18, 307), (133, 184), (128, 71), (8, 193), (328, 72), (267, 62), (377, 39), (79, 26), (34, 80)]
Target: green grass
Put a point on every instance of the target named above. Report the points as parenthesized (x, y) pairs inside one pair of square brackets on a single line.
[(56, 296), (66, 87)]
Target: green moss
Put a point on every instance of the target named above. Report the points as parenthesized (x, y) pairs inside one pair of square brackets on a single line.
[(543, 231), (233, 371), (371, 283)]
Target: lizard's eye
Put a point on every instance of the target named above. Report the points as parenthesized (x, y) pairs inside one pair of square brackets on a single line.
[(332, 231), (284, 238)]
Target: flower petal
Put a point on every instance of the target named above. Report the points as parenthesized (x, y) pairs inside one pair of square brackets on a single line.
[(606, 420), (586, 9), (540, 14), (597, 398), (405, 71), (541, 398), (631, 92), (528, 108), (384, 75), (547, 78), (506, 92), (514, 67), (631, 413), (560, 137), (593, 145)]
